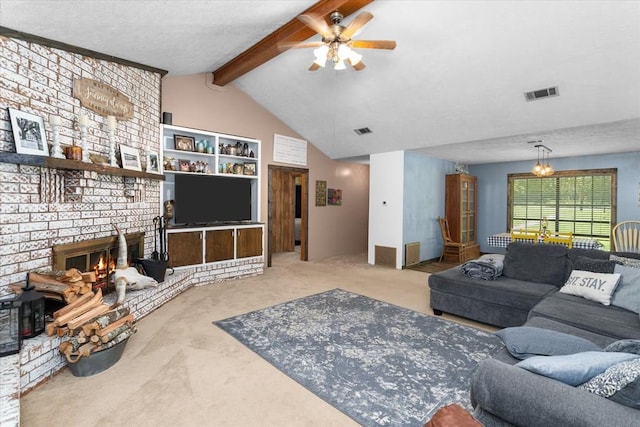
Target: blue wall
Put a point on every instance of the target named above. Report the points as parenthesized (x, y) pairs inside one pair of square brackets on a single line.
[(424, 180), (492, 188)]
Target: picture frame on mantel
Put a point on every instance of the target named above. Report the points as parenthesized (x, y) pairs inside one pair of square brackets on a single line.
[(28, 133), (130, 158)]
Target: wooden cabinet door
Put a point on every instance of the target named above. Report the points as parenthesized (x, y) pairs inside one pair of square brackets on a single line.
[(219, 245), (184, 248), (249, 242)]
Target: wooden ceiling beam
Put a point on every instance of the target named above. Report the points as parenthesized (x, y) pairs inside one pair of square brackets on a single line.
[(292, 31)]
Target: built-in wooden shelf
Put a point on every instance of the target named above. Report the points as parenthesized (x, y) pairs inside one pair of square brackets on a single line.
[(54, 163)]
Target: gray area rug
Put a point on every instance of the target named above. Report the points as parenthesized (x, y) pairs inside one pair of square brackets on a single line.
[(378, 363)]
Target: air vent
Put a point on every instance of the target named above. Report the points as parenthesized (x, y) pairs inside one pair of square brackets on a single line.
[(541, 93), (362, 131)]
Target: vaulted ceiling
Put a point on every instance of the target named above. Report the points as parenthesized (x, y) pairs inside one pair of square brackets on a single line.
[(453, 88)]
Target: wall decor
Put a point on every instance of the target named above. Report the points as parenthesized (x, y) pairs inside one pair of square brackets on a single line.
[(153, 162), (321, 193), (184, 143), (289, 150), (102, 98), (334, 197), (28, 133), (130, 158)]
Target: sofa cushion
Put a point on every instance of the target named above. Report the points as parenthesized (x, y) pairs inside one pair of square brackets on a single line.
[(588, 253), (539, 263), (574, 369), (609, 321), (620, 383), (627, 294), (592, 286), (591, 264), (526, 341), (502, 291)]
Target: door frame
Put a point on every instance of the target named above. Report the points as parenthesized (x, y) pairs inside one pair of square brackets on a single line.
[(304, 214)]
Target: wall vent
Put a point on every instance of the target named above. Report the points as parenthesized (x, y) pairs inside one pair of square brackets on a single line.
[(541, 93), (362, 131), (412, 253), (385, 255)]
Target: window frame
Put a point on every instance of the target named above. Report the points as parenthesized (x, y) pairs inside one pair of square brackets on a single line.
[(613, 172)]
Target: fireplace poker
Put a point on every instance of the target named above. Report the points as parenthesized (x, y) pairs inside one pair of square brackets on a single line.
[(155, 255), (164, 256)]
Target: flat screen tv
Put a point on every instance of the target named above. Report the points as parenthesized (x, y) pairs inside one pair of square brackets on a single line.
[(207, 199)]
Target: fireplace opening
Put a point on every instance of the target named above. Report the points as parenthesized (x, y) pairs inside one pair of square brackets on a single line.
[(97, 256)]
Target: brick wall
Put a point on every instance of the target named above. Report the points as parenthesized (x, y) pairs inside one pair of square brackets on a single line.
[(41, 207)]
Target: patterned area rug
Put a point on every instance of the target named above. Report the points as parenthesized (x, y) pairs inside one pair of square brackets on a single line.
[(378, 363)]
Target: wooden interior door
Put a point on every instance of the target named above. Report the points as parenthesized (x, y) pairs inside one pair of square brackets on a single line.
[(281, 206)]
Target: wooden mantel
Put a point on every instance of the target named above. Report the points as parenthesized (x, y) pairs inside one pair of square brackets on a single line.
[(65, 164)]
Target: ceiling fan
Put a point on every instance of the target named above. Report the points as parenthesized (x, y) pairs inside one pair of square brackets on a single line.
[(336, 45)]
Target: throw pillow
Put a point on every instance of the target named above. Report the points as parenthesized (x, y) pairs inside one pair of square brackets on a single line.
[(620, 382), (574, 369), (627, 294), (523, 342), (624, 346), (536, 263), (593, 265), (629, 262), (592, 286)]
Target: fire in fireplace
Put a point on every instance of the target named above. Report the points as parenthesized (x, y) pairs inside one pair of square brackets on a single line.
[(98, 256)]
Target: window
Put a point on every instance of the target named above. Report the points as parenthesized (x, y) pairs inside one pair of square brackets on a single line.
[(583, 202)]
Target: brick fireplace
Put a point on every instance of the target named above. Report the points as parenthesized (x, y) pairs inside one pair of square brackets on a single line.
[(45, 209)]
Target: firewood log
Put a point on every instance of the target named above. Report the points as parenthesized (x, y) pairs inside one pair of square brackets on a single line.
[(113, 333), (69, 307), (123, 336), (107, 318), (72, 275), (89, 277), (93, 302), (93, 312), (113, 326)]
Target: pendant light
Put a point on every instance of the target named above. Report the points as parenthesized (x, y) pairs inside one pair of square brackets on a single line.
[(542, 169)]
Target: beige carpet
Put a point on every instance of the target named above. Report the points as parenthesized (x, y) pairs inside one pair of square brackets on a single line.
[(181, 370)]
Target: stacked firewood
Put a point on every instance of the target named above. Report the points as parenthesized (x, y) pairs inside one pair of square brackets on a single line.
[(91, 326), (66, 287)]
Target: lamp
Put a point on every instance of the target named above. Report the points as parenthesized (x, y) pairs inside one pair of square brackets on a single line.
[(10, 338), (336, 52), (542, 169), (31, 311)]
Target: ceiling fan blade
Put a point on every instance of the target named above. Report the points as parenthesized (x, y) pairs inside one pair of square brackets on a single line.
[(316, 23), (374, 44), (359, 65), (355, 25), (314, 67), (298, 45)]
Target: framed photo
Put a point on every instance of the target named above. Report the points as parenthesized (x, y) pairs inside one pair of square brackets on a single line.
[(184, 143), (249, 168), (334, 197), (130, 158), (153, 162), (28, 133), (184, 165)]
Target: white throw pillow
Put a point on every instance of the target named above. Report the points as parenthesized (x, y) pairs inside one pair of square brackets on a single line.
[(592, 286)]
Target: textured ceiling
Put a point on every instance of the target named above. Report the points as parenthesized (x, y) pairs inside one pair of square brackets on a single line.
[(453, 87)]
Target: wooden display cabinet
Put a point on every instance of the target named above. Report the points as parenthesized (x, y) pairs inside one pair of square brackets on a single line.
[(461, 211)]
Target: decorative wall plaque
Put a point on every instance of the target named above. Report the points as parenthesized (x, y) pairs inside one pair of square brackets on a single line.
[(321, 193), (102, 99)]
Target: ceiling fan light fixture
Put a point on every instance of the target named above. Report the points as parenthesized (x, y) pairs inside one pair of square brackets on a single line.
[(344, 51), (340, 65), (354, 57)]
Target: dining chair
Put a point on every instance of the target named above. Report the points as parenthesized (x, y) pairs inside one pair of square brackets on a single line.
[(451, 251), (559, 238), (626, 236), (529, 236)]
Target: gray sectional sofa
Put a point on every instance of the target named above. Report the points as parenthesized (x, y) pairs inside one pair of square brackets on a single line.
[(527, 294)]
